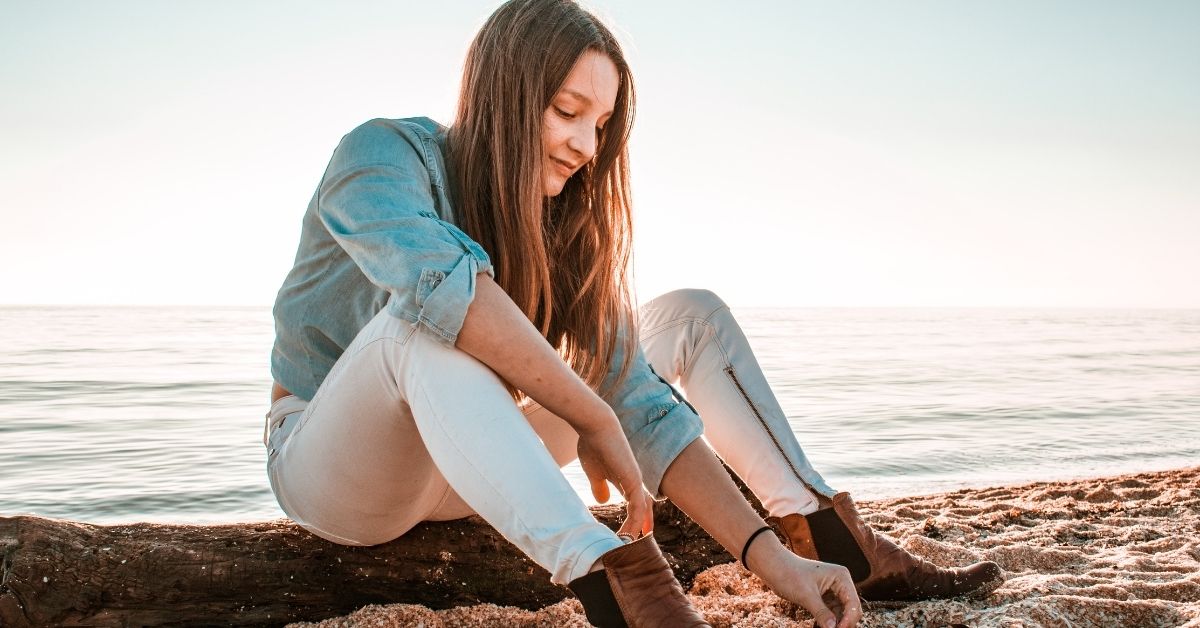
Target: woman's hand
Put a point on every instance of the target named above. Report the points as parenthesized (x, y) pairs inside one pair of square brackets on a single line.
[(606, 457), (824, 590), (700, 486)]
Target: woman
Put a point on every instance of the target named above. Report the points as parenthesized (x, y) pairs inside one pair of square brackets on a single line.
[(457, 327)]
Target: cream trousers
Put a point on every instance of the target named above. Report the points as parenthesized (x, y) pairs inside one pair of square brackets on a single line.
[(405, 429)]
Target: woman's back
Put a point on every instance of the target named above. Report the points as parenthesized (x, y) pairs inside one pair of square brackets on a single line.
[(379, 232)]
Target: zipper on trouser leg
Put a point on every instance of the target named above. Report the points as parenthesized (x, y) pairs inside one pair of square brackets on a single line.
[(762, 421), (758, 415)]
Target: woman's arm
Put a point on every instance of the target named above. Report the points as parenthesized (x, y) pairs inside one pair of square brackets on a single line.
[(496, 332), (698, 484)]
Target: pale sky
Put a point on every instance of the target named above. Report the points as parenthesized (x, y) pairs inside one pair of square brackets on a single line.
[(871, 153)]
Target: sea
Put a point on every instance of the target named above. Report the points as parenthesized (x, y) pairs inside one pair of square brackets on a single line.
[(126, 414)]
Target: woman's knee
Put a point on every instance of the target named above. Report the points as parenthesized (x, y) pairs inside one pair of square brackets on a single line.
[(690, 302)]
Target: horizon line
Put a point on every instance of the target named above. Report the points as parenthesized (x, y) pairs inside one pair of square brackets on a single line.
[(731, 305)]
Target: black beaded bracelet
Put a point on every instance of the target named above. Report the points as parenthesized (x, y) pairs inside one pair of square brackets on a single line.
[(746, 547)]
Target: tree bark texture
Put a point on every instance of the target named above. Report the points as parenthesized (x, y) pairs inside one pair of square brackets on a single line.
[(67, 573)]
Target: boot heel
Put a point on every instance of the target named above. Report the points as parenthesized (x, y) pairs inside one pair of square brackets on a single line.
[(636, 589)]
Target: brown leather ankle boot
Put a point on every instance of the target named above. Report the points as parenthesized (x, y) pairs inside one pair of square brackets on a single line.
[(880, 569), (636, 589)]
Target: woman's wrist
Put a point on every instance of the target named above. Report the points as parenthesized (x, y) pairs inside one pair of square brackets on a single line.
[(776, 565), (750, 541), (595, 421), (766, 556)]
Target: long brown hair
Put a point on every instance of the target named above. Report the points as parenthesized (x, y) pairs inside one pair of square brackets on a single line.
[(563, 260)]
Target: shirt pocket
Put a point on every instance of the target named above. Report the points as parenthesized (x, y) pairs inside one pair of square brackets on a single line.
[(429, 280)]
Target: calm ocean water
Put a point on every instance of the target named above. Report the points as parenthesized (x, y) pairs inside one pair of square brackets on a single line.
[(155, 414)]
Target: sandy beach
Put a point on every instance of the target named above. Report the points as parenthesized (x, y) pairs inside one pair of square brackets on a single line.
[(1114, 551)]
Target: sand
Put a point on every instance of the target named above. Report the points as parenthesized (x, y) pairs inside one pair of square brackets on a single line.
[(1116, 551)]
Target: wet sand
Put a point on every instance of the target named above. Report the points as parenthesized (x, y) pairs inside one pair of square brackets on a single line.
[(1115, 551)]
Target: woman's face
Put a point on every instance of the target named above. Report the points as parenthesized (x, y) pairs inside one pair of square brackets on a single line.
[(571, 124)]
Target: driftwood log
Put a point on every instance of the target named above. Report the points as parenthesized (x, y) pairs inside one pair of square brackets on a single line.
[(66, 573)]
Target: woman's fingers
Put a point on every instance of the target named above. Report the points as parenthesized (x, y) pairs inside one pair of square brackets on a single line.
[(600, 489), (648, 521), (823, 589), (835, 585), (833, 603), (851, 609), (845, 598), (639, 515), (606, 457), (635, 514), (594, 470), (822, 616)]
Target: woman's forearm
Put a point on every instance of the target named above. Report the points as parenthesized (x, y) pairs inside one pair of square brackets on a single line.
[(496, 332), (698, 484)]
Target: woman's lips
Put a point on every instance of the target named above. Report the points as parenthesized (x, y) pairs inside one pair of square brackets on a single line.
[(563, 168)]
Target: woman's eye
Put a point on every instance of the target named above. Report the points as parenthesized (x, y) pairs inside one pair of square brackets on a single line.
[(564, 113)]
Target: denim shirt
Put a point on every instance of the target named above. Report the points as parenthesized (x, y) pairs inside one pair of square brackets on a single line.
[(380, 233)]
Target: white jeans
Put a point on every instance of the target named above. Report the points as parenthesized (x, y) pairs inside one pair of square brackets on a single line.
[(405, 429)]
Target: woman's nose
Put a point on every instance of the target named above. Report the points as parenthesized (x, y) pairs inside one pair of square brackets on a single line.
[(583, 141)]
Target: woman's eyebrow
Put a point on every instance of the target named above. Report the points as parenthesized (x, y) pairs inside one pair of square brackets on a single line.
[(570, 92)]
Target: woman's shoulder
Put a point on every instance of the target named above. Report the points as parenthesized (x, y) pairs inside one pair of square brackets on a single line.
[(413, 129), (392, 141)]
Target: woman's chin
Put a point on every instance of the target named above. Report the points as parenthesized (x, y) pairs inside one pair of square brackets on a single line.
[(553, 187)]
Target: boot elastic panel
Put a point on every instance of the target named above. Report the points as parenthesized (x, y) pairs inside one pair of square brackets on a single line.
[(596, 596), (836, 544)]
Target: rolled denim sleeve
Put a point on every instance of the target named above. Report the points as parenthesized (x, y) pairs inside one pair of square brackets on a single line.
[(378, 202), (658, 422)]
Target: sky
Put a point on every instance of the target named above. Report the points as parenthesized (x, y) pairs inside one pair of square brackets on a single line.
[(872, 153)]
